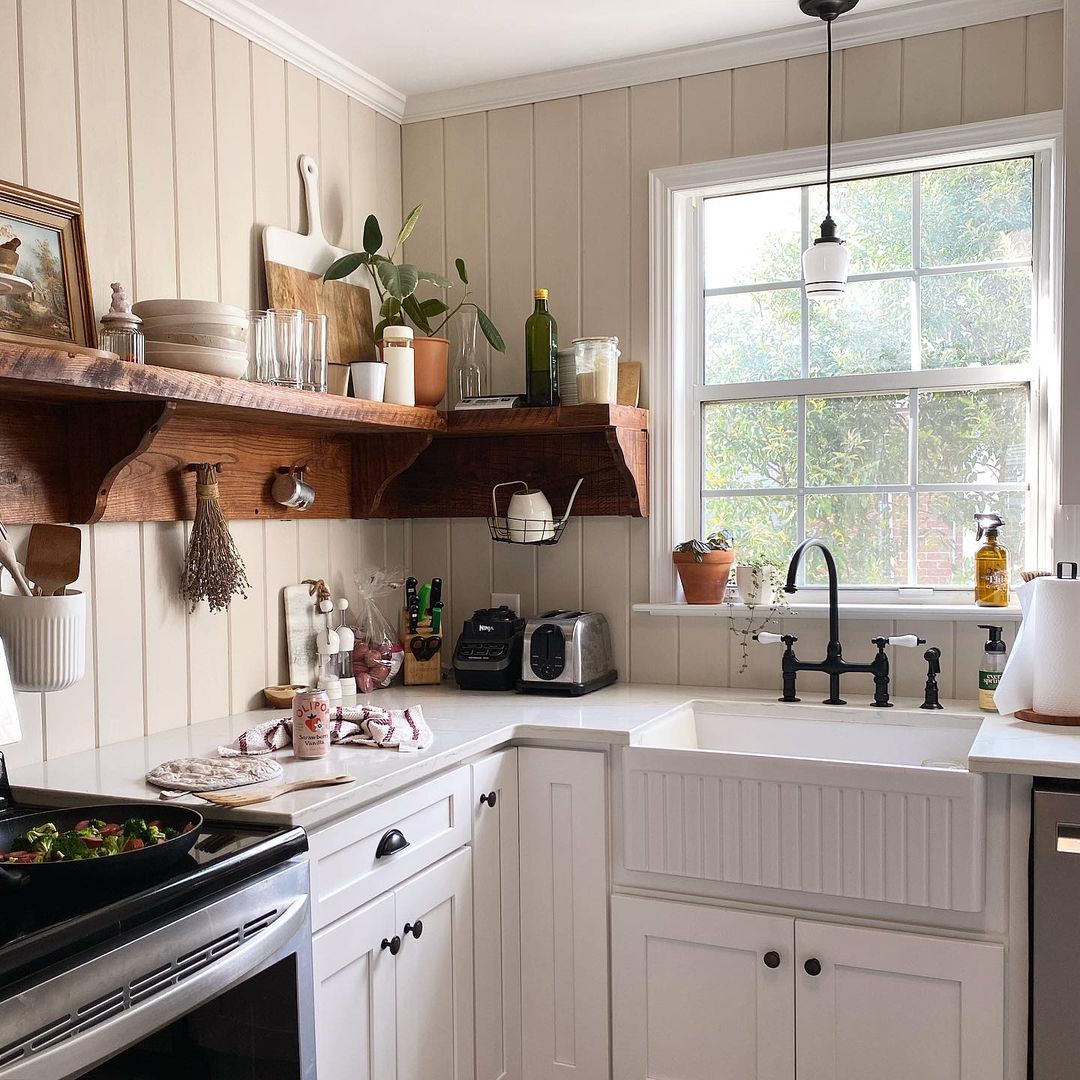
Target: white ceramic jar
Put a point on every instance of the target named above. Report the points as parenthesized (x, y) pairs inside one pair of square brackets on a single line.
[(397, 351), (45, 639)]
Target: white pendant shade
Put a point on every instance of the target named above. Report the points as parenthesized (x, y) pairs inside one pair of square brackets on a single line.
[(825, 270)]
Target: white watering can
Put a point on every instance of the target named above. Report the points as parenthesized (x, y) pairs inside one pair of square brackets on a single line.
[(529, 517)]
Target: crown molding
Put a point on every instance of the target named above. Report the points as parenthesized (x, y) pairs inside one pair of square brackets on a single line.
[(280, 38), (858, 28)]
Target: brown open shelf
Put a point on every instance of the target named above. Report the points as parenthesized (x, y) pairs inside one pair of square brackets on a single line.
[(86, 438)]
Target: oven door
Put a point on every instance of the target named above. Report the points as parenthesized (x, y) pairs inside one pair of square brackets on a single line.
[(221, 989)]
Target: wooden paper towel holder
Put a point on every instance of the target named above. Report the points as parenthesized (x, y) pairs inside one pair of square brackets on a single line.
[(1033, 717)]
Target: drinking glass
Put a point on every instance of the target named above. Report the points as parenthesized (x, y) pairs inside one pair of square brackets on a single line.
[(260, 348), (313, 372), (287, 332)]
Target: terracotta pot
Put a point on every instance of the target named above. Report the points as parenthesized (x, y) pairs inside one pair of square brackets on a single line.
[(430, 359), (704, 582)]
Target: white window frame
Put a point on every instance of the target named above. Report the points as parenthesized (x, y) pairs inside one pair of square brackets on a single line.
[(677, 314)]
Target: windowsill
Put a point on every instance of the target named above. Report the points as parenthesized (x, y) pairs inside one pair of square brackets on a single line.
[(915, 611)]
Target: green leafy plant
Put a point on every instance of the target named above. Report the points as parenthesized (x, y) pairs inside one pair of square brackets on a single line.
[(721, 540), (763, 568), (396, 284)]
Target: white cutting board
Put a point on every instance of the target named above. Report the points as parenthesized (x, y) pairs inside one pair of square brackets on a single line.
[(310, 251)]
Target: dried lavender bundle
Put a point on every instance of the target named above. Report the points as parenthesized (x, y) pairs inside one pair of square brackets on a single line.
[(213, 569)]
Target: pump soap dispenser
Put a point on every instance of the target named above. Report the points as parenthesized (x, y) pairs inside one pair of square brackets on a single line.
[(991, 667), (991, 564)]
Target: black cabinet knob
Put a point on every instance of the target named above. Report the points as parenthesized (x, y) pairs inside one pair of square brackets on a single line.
[(391, 843), (812, 966), (416, 929), (772, 959), (393, 944), (489, 798)]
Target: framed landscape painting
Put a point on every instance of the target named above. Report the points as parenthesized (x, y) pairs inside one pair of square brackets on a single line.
[(44, 281)]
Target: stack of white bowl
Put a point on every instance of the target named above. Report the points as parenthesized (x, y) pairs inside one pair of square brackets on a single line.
[(195, 335)]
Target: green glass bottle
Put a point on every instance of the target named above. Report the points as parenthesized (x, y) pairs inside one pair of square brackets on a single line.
[(541, 354)]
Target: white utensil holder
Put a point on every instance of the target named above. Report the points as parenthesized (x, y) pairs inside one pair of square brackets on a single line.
[(45, 639)]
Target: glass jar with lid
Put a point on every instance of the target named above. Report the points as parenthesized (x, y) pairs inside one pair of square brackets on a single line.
[(121, 330), (596, 361)]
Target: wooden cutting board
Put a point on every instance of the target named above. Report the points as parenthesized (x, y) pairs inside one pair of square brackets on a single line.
[(295, 263)]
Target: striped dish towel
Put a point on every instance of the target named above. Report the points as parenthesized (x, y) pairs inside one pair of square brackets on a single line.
[(363, 725)]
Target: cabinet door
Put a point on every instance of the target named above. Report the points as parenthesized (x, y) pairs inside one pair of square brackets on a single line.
[(893, 1006), (496, 917), (693, 997), (354, 995), (435, 972), (564, 921)]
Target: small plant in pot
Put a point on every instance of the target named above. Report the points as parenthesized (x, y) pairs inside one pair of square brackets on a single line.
[(704, 566), (759, 579), (396, 284)]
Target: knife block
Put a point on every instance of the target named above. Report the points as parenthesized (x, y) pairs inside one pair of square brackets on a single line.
[(419, 672)]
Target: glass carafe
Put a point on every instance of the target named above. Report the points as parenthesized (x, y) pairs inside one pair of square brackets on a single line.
[(469, 376)]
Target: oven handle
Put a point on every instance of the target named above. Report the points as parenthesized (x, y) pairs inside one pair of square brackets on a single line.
[(103, 1041)]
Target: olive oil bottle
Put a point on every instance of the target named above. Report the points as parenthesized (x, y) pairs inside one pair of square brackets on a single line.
[(541, 354), (991, 564)]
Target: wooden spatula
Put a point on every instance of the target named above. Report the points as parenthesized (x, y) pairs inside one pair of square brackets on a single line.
[(242, 798), (52, 558)]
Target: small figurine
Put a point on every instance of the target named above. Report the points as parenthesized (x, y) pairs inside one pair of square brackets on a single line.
[(121, 305)]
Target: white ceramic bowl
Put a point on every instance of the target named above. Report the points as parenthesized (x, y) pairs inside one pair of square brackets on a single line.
[(45, 639), (198, 324), (202, 341), (226, 363), (148, 309)]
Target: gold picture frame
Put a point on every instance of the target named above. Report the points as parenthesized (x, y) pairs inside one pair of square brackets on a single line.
[(59, 307)]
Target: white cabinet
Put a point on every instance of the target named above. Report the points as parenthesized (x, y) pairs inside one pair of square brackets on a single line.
[(893, 1006), (496, 917), (693, 995), (402, 1010), (564, 924), (355, 1017)]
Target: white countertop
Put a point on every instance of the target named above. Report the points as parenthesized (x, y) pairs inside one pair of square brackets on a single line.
[(467, 725)]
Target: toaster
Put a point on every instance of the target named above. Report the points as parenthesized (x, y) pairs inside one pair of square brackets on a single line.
[(566, 652)]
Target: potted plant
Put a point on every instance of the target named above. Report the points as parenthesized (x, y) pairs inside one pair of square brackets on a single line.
[(704, 566), (758, 579), (396, 284)]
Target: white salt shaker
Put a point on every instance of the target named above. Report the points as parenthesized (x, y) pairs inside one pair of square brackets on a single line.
[(397, 351)]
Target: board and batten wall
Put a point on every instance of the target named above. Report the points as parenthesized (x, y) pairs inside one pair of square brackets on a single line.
[(555, 194), (180, 139)]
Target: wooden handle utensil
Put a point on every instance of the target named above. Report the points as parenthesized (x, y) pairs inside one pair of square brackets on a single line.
[(248, 798)]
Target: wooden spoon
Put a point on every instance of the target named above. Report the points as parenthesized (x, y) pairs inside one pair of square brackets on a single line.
[(52, 558), (11, 564), (241, 798)]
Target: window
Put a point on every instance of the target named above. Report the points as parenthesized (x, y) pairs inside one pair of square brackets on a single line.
[(881, 423), (812, 422)]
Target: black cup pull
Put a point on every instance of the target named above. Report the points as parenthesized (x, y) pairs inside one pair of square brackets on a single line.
[(391, 843), (772, 959), (416, 929), (393, 944), (812, 966), (490, 798)]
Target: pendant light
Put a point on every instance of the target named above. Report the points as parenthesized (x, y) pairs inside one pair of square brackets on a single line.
[(825, 262)]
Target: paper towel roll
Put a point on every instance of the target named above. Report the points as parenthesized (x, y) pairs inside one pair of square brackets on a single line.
[(1055, 665)]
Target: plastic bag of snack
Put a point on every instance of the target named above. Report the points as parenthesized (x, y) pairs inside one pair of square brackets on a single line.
[(377, 654)]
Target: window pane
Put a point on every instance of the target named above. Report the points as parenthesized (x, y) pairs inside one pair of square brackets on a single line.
[(752, 239), (868, 535), (869, 330), (873, 216), (751, 444), (857, 440), (753, 336), (947, 541), (977, 213), (763, 525), (973, 436), (976, 319)]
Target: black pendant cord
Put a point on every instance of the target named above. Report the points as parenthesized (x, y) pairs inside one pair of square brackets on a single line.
[(828, 125)]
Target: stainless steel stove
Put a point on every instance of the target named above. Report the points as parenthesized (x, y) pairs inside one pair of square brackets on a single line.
[(203, 972)]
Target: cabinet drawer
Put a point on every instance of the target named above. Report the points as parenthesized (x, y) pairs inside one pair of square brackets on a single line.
[(434, 818)]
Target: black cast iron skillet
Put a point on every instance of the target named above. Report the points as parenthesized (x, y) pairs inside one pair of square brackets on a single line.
[(128, 865)]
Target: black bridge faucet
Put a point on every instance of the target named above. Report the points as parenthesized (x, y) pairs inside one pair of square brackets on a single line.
[(834, 665)]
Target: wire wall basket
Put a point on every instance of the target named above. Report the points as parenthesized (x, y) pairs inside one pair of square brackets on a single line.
[(537, 527)]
